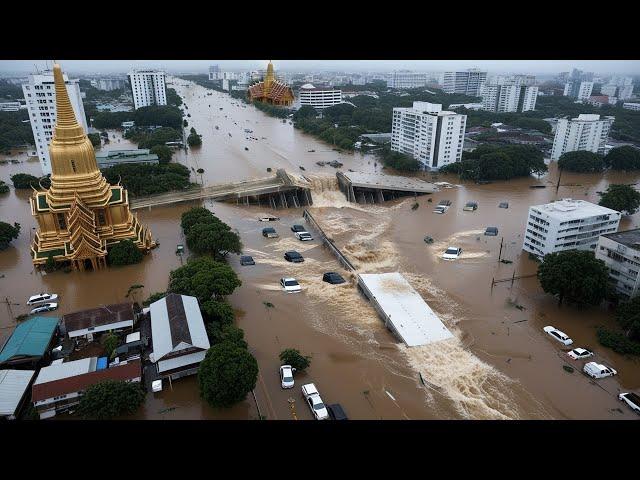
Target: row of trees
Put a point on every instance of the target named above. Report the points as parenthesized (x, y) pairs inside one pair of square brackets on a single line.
[(623, 198), (8, 233), (398, 161), (15, 130), (207, 234), (24, 181), (149, 139), (494, 162), (162, 115), (194, 139), (124, 252), (620, 158), (145, 179)]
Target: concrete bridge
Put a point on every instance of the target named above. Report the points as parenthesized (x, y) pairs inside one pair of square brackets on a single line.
[(282, 190)]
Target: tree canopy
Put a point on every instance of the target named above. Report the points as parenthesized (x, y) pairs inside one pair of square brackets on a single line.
[(196, 215), (124, 252), (293, 357), (581, 161), (305, 111), (8, 233), (628, 316), (24, 181), (623, 198), (400, 161), (204, 278), (148, 139), (163, 152), (109, 399), (623, 158), (4, 188), (14, 131), (215, 238), (147, 179), (575, 275)]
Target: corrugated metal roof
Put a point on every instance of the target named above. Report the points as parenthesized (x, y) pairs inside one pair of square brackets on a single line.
[(99, 316), (13, 384), (65, 370), (30, 338)]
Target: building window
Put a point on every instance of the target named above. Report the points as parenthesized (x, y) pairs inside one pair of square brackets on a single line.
[(102, 219), (73, 166), (62, 222)]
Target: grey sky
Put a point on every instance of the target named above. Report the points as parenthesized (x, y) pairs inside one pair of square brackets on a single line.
[(541, 67)]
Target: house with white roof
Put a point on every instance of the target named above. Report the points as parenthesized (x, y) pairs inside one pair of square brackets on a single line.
[(178, 334), (13, 386)]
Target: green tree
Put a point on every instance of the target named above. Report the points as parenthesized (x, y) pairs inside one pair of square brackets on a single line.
[(185, 123), (204, 278), (4, 188), (213, 238), (109, 399), (628, 316), (154, 297), (146, 179), (218, 333), (618, 342), (124, 252), (575, 275), (581, 161), (217, 311), (305, 111), (194, 140), (95, 139), (110, 344), (24, 181), (8, 233), (399, 161), (623, 198), (623, 158), (227, 374), (194, 216), (50, 266), (163, 152), (293, 357)]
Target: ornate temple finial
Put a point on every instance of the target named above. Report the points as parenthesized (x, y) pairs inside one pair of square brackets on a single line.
[(65, 116)]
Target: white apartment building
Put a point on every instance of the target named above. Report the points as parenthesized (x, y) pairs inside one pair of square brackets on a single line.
[(148, 88), (432, 136), (608, 90), (578, 90), (318, 98), (403, 80), (40, 97), (567, 225), (468, 82), (110, 83), (620, 81), (10, 106), (621, 252), (213, 72), (631, 106), (587, 132), (508, 97), (625, 92)]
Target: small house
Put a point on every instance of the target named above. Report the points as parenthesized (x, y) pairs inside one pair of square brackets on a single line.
[(14, 384), (29, 343), (96, 320)]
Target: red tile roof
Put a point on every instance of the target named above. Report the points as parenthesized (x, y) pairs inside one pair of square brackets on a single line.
[(43, 391)]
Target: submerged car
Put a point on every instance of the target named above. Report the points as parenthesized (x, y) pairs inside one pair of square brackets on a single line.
[(41, 297), (452, 253), (336, 412), (491, 231), (503, 205), (286, 376), (304, 236), (558, 335), (333, 278), (293, 256), (316, 405), (47, 307), (298, 228), (268, 219), (470, 207), (631, 399), (290, 285), (247, 260), (269, 232), (597, 370), (580, 353)]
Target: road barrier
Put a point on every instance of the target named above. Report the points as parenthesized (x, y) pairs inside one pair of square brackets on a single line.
[(329, 243)]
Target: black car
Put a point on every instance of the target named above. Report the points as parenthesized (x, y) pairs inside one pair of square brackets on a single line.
[(293, 256), (491, 231), (336, 412), (298, 228), (247, 260), (269, 232), (333, 278)]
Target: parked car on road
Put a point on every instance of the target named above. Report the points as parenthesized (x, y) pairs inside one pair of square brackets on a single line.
[(597, 370), (297, 228), (42, 297), (293, 256), (269, 232), (491, 231), (452, 253), (336, 412), (333, 278), (316, 405), (304, 236), (286, 376), (290, 285), (247, 260), (503, 205), (631, 399), (268, 219), (47, 307), (580, 353), (440, 209), (558, 335), (470, 207)]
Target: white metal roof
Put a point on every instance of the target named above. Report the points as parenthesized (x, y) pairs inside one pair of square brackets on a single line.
[(132, 337), (66, 370), (13, 384), (569, 209), (409, 314)]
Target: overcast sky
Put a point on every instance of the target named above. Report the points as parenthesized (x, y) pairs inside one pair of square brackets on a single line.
[(631, 67)]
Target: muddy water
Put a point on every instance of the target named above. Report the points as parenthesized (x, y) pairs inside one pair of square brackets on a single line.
[(499, 365)]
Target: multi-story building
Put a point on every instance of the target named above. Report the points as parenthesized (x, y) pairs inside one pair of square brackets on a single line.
[(625, 92), (631, 106), (508, 97), (148, 88), (468, 82), (587, 132), (567, 225), (620, 81), (10, 106), (600, 100), (403, 80), (432, 136), (40, 96), (213, 72), (318, 97), (621, 252), (578, 90), (110, 83), (609, 90)]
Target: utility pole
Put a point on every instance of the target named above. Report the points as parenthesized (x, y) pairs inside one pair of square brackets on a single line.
[(559, 176), (500, 254)]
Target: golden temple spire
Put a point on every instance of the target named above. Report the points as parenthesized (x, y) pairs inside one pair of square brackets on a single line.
[(67, 125), (269, 78)]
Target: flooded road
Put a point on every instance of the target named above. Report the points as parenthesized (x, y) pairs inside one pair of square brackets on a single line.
[(499, 365)]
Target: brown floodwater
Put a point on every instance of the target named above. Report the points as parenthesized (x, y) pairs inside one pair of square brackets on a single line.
[(499, 365)]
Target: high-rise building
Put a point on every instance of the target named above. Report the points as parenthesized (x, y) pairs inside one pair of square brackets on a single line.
[(578, 90), (148, 88), (631, 106), (81, 216), (567, 225), (467, 83), (587, 132), (508, 97), (213, 72), (318, 98), (432, 136), (621, 253), (109, 83), (608, 90), (403, 80), (40, 97), (625, 92)]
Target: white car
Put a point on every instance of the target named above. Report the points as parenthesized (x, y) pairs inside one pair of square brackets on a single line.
[(42, 297), (580, 353), (290, 285), (304, 236), (596, 370), (562, 337), (316, 405), (452, 253), (47, 307), (286, 376), (440, 209), (631, 399)]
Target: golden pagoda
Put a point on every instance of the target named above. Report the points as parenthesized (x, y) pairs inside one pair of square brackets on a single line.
[(81, 215), (270, 90)]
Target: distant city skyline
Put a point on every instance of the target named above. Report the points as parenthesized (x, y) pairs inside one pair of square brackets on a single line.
[(538, 67)]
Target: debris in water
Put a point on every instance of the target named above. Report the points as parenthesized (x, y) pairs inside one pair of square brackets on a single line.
[(301, 167), (170, 409), (567, 368), (506, 261), (616, 410), (268, 304), (390, 396), (269, 169), (415, 206)]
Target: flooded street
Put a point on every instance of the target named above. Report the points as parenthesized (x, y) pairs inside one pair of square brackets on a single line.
[(500, 365)]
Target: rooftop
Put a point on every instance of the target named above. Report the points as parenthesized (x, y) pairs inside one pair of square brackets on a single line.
[(389, 182), (59, 371), (629, 238), (99, 316), (30, 338), (13, 384), (569, 209)]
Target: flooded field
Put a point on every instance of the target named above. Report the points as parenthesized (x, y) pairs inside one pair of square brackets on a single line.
[(500, 365)]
